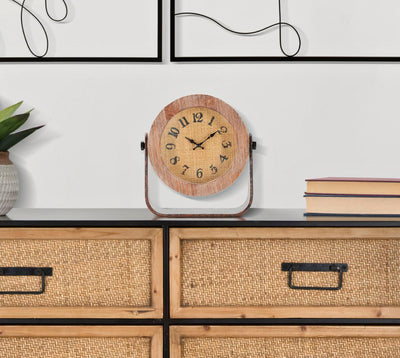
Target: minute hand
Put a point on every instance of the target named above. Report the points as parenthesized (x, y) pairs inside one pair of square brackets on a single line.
[(205, 140)]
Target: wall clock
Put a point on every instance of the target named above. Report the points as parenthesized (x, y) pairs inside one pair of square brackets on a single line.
[(198, 146)]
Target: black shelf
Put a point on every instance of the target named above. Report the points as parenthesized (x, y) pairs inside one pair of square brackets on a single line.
[(144, 218)]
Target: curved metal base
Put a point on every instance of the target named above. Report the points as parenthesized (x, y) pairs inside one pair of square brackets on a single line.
[(209, 212)]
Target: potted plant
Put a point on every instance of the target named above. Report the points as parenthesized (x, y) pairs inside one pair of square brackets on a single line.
[(9, 123)]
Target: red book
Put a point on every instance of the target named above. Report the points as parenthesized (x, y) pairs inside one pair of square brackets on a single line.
[(357, 186)]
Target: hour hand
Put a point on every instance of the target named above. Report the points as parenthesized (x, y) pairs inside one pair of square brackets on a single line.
[(205, 140), (193, 142)]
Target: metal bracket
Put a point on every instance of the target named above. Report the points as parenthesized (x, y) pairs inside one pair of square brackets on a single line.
[(314, 267), (26, 271), (240, 211)]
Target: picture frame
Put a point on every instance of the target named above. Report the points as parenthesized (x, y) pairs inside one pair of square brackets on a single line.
[(30, 58), (176, 57)]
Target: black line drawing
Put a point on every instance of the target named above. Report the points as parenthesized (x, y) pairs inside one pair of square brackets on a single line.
[(24, 9), (278, 24)]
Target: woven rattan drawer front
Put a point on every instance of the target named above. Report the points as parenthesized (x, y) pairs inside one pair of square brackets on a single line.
[(285, 342), (96, 273), (81, 341), (237, 272)]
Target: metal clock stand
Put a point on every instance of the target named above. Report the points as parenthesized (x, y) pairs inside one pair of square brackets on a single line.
[(238, 212)]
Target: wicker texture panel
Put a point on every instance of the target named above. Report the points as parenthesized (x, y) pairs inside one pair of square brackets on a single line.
[(16, 347), (248, 272), (86, 273), (290, 347)]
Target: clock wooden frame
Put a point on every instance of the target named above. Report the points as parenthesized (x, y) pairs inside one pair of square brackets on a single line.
[(244, 146), (218, 184)]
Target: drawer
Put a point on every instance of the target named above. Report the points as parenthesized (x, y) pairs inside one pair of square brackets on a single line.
[(81, 341), (284, 342), (81, 273), (238, 272)]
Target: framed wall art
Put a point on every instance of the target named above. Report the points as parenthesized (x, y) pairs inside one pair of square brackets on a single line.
[(84, 31), (285, 30)]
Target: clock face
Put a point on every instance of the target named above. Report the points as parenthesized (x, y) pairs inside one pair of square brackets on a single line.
[(198, 145)]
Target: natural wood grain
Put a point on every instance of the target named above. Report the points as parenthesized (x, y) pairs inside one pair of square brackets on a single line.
[(175, 272), (285, 233), (175, 335), (178, 332), (178, 234), (157, 273), (80, 312), (284, 341), (80, 331), (157, 343), (153, 332), (155, 235), (284, 312), (177, 183), (78, 233)]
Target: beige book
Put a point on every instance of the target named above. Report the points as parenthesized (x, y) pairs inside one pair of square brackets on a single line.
[(352, 205)]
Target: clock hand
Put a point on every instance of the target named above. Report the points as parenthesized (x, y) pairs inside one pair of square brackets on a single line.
[(193, 142), (205, 140)]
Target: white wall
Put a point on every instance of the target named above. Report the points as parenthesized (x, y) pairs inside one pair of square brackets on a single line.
[(309, 119)]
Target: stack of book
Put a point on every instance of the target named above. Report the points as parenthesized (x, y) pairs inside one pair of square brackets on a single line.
[(353, 196)]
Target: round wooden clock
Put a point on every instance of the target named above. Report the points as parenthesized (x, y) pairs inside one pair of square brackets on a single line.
[(198, 145)]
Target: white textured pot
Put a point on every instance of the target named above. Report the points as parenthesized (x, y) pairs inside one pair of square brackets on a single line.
[(9, 185)]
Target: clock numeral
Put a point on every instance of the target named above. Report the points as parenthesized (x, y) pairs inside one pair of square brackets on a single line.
[(226, 143), (185, 167), (174, 132), (198, 117), (223, 158), (199, 173), (184, 122), (214, 169), (174, 160), (223, 129), (170, 146), (211, 121)]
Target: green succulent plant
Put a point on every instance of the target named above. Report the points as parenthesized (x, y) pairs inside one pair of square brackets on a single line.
[(10, 123)]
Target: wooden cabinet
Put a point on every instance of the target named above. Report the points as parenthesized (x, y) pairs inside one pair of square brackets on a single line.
[(81, 341), (81, 272), (270, 284), (284, 341), (285, 272)]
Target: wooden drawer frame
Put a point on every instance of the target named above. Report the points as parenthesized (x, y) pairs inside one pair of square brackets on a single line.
[(153, 332), (155, 235), (178, 234), (178, 332)]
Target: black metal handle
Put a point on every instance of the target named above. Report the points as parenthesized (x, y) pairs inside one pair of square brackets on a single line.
[(26, 271), (314, 267)]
